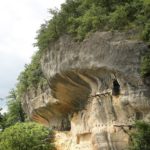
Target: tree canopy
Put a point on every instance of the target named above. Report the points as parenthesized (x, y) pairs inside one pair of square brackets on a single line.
[(140, 136), (80, 17), (15, 112), (26, 136), (32, 76)]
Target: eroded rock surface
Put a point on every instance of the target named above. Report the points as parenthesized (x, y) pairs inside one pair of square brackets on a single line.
[(95, 91)]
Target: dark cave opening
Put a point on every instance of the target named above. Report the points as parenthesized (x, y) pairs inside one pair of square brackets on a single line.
[(116, 88)]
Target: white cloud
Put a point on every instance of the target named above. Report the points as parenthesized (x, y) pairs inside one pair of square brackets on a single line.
[(20, 19)]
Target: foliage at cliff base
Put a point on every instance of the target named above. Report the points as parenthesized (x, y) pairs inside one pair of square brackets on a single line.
[(26, 136)]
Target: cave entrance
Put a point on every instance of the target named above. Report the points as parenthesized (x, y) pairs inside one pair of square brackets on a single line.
[(116, 88)]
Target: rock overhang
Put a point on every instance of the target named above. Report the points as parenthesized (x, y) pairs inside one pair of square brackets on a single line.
[(77, 70), (94, 90)]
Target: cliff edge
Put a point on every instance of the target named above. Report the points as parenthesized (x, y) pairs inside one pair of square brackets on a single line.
[(94, 93)]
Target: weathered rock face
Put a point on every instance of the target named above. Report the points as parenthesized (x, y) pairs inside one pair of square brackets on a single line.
[(95, 91)]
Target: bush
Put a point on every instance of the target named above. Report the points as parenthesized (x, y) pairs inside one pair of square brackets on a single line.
[(141, 137), (26, 136), (118, 19), (32, 76), (146, 32), (145, 65), (79, 17)]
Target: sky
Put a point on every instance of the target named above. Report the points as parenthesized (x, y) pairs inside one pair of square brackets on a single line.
[(19, 21)]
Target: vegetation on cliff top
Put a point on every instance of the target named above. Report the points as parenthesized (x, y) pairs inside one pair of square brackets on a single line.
[(78, 18)]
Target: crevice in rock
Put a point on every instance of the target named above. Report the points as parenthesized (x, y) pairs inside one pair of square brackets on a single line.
[(138, 115)]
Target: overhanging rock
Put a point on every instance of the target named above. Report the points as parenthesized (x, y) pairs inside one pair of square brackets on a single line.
[(95, 90)]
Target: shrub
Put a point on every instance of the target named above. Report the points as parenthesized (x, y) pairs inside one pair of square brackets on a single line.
[(146, 32), (141, 137), (79, 17), (26, 136), (32, 76), (118, 19)]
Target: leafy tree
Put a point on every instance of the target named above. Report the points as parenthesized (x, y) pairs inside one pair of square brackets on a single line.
[(146, 32), (1, 116), (4, 123), (15, 111), (80, 17), (32, 76), (141, 137), (1, 119), (118, 18), (26, 136)]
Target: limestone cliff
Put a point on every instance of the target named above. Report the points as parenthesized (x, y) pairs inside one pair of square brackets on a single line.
[(94, 93)]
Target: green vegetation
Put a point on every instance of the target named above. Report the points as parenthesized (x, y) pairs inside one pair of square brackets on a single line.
[(145, 65), (141, 137), (1, 120), (26, 136), (32, 76), (15, 112), (15, 134), (80, 17)]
